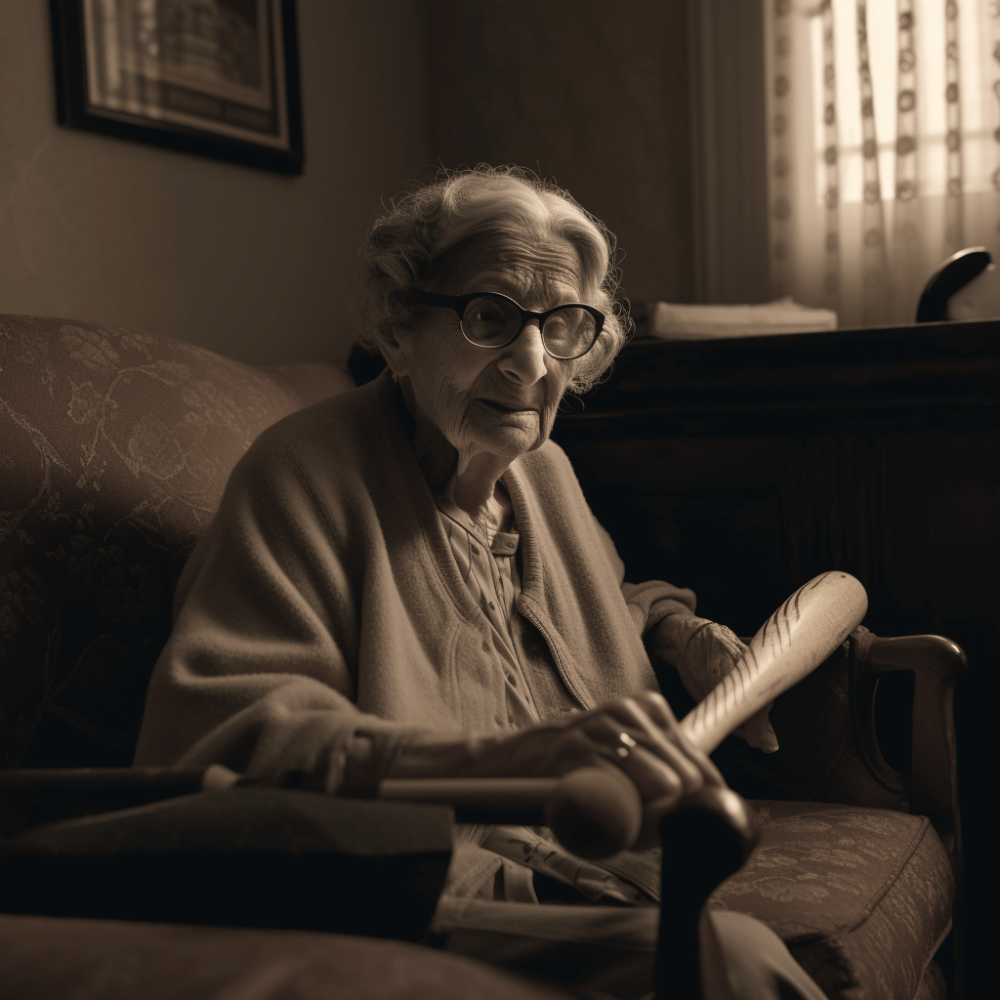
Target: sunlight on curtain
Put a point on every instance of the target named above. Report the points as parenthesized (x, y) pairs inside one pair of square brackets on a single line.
[(883, 147)]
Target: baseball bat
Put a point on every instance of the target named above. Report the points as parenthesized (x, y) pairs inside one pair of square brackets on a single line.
[(596, 811)]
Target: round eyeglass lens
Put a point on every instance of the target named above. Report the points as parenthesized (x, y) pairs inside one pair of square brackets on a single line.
[(490, 322), (569, 332)]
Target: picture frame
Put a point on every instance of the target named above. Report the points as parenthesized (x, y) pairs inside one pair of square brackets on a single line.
[(217, 78)]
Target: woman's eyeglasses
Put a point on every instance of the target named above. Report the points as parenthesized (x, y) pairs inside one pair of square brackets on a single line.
[(492, 320)]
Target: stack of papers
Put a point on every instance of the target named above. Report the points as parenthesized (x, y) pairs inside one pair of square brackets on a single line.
[(679, 322)]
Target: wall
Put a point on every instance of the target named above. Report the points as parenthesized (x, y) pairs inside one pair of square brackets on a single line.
[(248, 263), (592, 93)]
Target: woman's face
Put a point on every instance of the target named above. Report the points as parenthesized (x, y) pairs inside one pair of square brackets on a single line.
[(504, 401)]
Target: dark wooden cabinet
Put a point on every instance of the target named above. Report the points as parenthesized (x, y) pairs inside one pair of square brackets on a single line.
[(743, 467)]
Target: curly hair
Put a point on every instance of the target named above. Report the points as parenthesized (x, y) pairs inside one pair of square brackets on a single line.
[(427, 234)]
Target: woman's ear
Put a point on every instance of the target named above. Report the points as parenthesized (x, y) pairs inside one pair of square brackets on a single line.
[(395, 349)]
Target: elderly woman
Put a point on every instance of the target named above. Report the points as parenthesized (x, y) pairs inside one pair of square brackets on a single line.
[(406, 580)]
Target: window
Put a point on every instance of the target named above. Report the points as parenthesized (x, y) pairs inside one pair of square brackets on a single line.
[(883, 122)]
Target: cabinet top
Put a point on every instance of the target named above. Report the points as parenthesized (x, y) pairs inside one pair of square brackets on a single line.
[(931, 374)]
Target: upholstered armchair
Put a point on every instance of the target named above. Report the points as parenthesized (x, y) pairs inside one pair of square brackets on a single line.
[(114, 451)]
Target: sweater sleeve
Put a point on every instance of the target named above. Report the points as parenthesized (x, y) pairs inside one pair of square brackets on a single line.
[(259, 673), (650, 602)]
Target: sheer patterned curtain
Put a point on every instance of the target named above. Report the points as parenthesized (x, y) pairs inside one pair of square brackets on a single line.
[(883, 147)]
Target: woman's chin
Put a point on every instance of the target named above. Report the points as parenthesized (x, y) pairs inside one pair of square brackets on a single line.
[(509, 434), (509, 441)]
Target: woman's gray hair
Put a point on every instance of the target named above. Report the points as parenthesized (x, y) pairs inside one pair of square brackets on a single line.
[(426, 235)]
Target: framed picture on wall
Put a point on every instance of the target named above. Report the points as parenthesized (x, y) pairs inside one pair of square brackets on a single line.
[(214, 77)]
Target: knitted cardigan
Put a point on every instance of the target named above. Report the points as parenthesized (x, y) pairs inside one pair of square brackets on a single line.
[(322, 620)]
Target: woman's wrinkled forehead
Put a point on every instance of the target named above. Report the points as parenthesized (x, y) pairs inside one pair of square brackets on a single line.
[(531, 266)]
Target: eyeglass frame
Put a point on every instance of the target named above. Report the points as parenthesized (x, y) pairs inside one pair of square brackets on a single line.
[(459, 303)]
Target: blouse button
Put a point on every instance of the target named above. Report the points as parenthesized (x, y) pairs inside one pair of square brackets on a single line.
[(510, 719), (475, 551), (492, 608), (486, 647)]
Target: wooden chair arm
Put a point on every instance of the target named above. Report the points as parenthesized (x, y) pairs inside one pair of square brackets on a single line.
[(936, 663), (830, 749)]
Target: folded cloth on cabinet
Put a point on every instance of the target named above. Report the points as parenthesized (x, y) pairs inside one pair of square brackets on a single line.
[(670, 321)]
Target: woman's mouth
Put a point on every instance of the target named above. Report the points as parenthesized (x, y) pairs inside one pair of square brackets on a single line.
[(504, 408)]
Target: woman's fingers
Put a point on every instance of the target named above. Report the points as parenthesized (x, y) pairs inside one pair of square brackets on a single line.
[(709, 652), (670, 737), (758, 731), (658, 709), (654, 778), (642, 736), (639, 735), (769, 741), (623, 740)]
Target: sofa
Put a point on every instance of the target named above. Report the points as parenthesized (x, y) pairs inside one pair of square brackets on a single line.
[(115, 447)]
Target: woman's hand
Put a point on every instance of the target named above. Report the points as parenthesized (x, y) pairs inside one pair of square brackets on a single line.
[(639, 735), (703, 653)]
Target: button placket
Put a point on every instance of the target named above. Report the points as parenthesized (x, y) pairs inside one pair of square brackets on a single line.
[(499, 649)]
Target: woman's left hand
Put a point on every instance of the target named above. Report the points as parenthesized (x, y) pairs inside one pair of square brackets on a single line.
[(703, 653)]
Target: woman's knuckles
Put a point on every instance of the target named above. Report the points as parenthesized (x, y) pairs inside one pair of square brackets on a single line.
[(694, 783), (653, 700), (662, 780)]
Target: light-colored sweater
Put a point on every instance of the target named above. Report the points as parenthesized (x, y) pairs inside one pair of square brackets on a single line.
[(322, 620)]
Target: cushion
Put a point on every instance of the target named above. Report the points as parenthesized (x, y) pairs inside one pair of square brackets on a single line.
[(862, 897), (116, 449)]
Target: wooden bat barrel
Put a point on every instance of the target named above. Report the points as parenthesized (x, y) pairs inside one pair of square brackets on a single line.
[(792, 643)]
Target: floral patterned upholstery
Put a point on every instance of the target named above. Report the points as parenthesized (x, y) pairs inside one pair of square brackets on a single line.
[(114, 451), (862, 897)]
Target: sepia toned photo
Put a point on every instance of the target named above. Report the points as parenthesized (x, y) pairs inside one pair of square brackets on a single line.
[(544, 548)]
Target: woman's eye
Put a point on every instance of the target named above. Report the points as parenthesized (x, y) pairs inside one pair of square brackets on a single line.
[(486, 314)]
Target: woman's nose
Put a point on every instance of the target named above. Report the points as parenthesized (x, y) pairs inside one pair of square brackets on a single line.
[(524, 360)]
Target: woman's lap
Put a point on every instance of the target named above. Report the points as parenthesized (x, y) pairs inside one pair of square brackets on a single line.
[(611, 950)]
